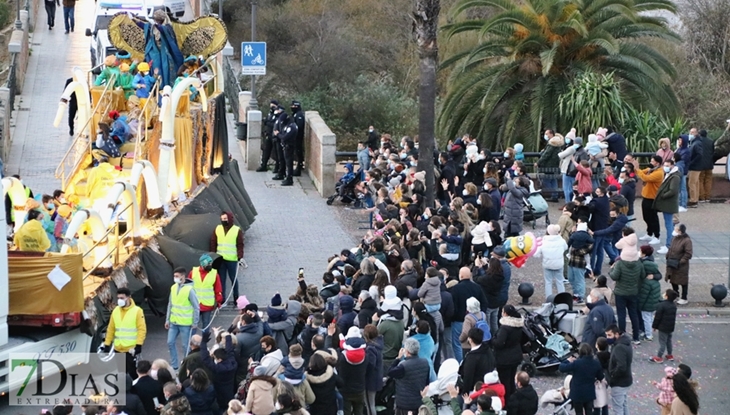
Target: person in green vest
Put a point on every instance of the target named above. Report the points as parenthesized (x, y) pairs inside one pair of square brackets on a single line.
[(227, 241), (183, 313), (127, 330), (208, 288), (124, 80), (111, 68)]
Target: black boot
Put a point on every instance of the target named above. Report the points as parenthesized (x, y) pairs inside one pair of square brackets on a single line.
[(288, 182), (278, 177), (297, 173), (261, 168)]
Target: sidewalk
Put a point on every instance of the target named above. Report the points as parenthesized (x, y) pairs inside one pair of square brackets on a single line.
[(37, 146)]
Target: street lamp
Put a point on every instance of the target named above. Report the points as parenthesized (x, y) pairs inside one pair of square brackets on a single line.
[(253, 104), (220, 9), (18, 23)]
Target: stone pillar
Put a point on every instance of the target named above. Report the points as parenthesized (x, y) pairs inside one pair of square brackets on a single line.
[(253, 142), (244, 98), (329, 163)]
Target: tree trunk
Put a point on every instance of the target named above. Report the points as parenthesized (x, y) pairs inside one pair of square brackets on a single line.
[(425, 29)]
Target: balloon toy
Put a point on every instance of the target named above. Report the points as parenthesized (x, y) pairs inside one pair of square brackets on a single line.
[(519, 248)]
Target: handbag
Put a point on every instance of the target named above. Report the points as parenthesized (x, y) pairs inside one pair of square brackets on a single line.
[(672, 263), (601, 394)]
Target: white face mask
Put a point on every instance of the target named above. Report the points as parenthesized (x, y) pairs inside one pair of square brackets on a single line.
[(666, 169), (506, 154), (620, 180), (484, 170), (675, 233), (121, 303), (277, 406), (178, 280), (464, 192), (479, 201), (153, 374)]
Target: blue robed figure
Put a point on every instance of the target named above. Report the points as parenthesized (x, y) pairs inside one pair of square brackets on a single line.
[(161, 49)]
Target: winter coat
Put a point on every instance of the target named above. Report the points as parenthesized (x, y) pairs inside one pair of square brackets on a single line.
[(619, 366), (461, 292), (580, 240), (470, 322), (202, 403), (392, 332), (667, 154), (353, 374), (496, 204), (224, 374), (447, 306), (507, 343), (599, 208), (248, 346), (426, 351), (514, 205), (283, 331), (374, 361), (628, 276), (566, 224), (324, 385), (480, 234), (667, 197), (599, 318), (365, 316), (617, 144), (330, 290), (708, 153), (430, 291), (665, 317), (194, 360), (681, 249), (612, 231), (695, 155), (504, 290), (362, 283), (583, 179), (552, 251), (476, 364), (411, 377), (550, 157), (628, 190), (408, 278), (523, 401), (566, 158), (177, 405), (260, 397), (272, 361), (586, 371), (347, 317), (650, 291)]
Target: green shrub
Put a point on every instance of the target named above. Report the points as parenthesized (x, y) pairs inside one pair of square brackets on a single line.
[(5, 11)]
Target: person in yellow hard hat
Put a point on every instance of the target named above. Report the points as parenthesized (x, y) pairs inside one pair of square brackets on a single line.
[(143, 81), (227, 241), (127, 330), (183, 313)]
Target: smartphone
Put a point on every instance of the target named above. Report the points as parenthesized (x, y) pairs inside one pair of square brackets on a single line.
[(156, 401)]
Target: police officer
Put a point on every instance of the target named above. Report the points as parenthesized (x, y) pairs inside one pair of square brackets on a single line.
[(298, 115), (127, 330), (287, 135), (183, 313), (267, 145), (282, 118)]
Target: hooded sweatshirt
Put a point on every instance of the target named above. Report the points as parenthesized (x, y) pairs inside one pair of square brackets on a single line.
[(665, 154), (430, 291), (239, 238), (628, 246)]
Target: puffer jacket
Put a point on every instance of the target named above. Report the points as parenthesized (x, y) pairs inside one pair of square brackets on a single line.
[(260, 397), (202, 403), (514, 205), (550, 155), (480, 234), (628, 276), (284, 330), (324, 385), (650, 291), (347, 314), (507, 343), (552, 251)]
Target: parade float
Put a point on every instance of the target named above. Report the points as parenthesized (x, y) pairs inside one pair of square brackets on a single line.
[(142, 211)]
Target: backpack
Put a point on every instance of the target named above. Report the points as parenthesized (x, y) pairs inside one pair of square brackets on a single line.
[(483, 326)]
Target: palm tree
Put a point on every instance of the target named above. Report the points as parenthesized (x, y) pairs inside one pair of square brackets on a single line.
[(509, 85), (425, 28)]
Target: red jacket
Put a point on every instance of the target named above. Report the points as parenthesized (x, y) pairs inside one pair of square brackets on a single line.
[(498, 388), (583, 178), (216, 288)]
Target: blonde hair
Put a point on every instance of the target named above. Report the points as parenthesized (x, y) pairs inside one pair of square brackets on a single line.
[(163, 364), (234, 407)]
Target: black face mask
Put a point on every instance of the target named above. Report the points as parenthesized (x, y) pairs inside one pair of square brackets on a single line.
[(224, 222), (208, 268)]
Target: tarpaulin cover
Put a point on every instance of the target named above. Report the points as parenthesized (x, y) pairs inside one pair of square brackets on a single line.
[(31, 290), (220, 137), (159, 275), (179, 254)]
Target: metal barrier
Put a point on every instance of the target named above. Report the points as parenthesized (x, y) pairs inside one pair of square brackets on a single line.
[(143, 115), (105, 239)]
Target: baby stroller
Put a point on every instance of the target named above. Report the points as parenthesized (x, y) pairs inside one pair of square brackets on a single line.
[(345, 187), (558, 398), (545, 347), (535, 208)]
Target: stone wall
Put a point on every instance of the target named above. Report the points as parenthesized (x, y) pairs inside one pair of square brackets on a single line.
[(20, 44), (319, 151)]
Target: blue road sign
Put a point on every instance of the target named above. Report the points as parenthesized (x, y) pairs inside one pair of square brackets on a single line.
[(253, 58)]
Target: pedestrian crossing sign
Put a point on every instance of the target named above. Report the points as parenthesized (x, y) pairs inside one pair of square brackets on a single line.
[(253, 58)]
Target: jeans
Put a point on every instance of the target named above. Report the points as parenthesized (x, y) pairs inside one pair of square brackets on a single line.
[(665, 341), (669, 224), (651, 217), (551, 275), (184, 332), (577, 278), (205, 317), (630, 303), (447, 349), (493, 319), (551, 185), (582, 408), (693, 183), (568, 187), (51, 12), (675, 287), (370, 403), (597, 254), (683, 191), (456, 327), (647, 318), (619, 400), (68, 18), (227, 271)]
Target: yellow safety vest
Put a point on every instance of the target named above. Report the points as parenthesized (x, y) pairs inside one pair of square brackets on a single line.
[(204, 289), (181, 309), (12, 202), (227, 242), (125, 329)]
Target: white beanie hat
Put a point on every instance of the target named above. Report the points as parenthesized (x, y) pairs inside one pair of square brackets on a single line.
[(353, 332), (553, 229), (491, 378), (391, 301), (390, 292)]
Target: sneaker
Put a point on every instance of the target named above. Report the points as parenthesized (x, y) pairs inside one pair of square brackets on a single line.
[(663, 250), (670, 357), (649, 338), (654, 241), (682, 302), (704, 200), (636, 342), (692, 205), (682, 209), (645, 238), (656, 359)]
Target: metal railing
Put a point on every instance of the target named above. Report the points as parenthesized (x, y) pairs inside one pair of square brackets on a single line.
[(105, 240), (232, 86), (60, 172), (143, 114), (8, 105)]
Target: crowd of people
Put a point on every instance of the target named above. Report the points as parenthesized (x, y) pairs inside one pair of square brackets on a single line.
[(417, 318)]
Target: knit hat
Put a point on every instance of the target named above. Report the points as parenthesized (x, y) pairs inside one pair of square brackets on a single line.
[(668, 370), (491, 378), (251, 307), (612, 188), (499, 251), (391, 301), (259, 370), (205, 260), (492, 181), (578, 140), (432, 272), (571, 134), (353, 346), (553, 229), (592, 138), (519, 147), (647, 250), (601, 133), (276, 300), (242, 303), (114, 114), (353, 332)]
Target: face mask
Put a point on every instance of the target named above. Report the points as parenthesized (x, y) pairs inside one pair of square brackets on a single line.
[(545, 137), (208, 268), (464, 192), (62, 200), (621, 181), (224, 222), (484, 170), (370, 130), (675, 233), (589, 299), (479, 201), (666, 169), (691, 137), (610, 340), (403, 156), (153, 374), (50, 206), (178, 280), (486, 187), (567, 141), (506, 154), (277, 406), (413, 164), (121, 303)]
